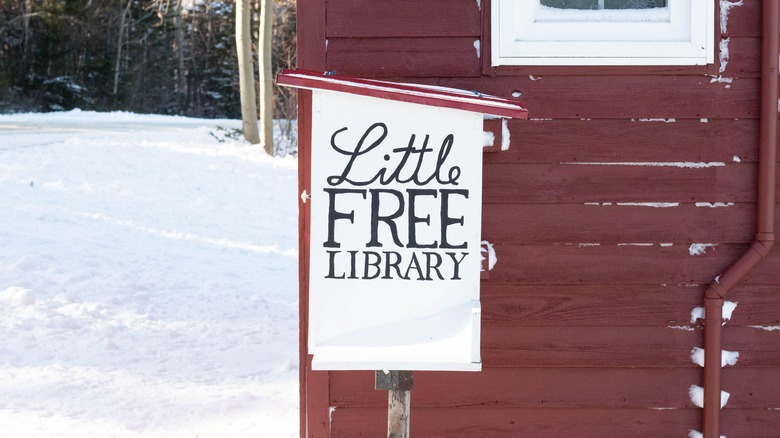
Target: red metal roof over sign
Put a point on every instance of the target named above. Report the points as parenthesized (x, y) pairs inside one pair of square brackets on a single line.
[(412, 93)]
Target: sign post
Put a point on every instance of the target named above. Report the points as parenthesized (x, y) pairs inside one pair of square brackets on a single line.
[(399, 386), (395, 229)]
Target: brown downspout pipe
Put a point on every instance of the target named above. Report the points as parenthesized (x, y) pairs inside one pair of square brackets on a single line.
[(765, 220)]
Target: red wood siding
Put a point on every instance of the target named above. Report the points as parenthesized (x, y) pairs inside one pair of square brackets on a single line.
[(587, 326), (389, 38)]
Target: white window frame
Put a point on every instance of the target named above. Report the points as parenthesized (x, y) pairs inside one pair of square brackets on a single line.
[(526, 33)]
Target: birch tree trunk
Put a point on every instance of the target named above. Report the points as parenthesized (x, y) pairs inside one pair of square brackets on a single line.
[(26, 40), (181, 76), (246, 76), (266, 77), (120, 42)]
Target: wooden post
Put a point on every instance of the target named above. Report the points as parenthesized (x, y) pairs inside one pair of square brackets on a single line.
[(399, 386)]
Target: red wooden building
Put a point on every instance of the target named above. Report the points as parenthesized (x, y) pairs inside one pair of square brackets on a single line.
[(637, 198)]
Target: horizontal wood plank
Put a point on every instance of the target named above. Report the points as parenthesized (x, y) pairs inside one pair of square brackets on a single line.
[(621, 96), (614, 223), (744, 58), (623, 264), (403, 18), (627, 140), (514, 305), (581, 183), (572, 347), (582, 388), (507, 346), (743, 19), (410, 57), (533, 388), (552, 423)]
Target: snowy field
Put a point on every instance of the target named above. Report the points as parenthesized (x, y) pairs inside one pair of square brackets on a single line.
[(148, 283)]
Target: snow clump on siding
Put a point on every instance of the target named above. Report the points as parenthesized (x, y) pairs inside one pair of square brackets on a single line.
[(487, 247), (726, 358), (714, 204), (696, 393), (504, 135), (697, 249), (728, 310), (697, 434), (725, 8)]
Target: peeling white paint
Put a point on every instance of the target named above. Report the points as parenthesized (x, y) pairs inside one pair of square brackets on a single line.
[(697, 249), (681, 327), (479, 5), (680, 164), (725, 8), (588, 244), (477, 46), (704, 120), (540, 119), (635, 244), (534, 78), (715, 204), (666, 245)]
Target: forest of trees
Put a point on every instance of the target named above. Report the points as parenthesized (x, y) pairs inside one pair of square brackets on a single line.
[(145, 56)]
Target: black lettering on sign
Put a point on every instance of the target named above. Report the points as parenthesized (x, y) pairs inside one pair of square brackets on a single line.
[(360, 149), (400, 219), (391, 265)]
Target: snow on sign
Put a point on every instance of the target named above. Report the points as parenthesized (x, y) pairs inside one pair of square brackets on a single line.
[(396, 194)]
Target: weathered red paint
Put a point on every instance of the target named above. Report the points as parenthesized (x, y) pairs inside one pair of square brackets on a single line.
[(765, 222), (593, 284)]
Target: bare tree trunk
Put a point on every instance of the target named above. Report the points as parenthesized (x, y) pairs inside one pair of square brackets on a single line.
[(266, 77), (26, 41), (246, 76), (182, 78), (119, 43)]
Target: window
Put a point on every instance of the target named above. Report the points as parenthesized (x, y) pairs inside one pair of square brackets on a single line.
[(602, 32)]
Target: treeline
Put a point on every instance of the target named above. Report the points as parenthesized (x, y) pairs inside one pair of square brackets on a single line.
[(145, 56)]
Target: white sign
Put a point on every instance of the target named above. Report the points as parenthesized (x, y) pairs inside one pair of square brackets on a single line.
[(396, 194)]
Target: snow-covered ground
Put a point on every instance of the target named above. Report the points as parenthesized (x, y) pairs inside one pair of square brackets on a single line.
[(148, 282)]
